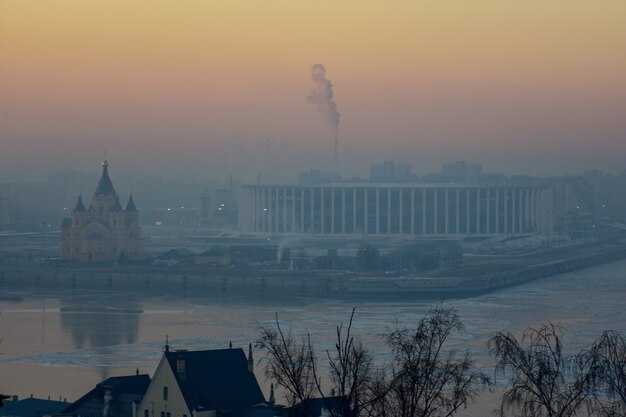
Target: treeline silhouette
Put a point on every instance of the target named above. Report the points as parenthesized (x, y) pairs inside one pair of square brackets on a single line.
[(427, 377)]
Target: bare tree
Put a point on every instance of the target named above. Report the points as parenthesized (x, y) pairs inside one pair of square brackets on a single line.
[(429, 379), (610, 382), (288, 362), (543, 380), (352, 385), (352, 375)]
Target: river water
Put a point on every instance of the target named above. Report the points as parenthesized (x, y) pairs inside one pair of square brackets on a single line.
[(60, 344)]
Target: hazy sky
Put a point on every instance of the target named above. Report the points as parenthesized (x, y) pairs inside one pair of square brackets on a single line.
[(194, 87)]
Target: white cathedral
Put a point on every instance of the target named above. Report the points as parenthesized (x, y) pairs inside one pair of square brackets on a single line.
[(106, 232)]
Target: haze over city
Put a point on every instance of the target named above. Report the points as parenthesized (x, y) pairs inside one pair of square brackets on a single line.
[(298, 208), (195, 88)]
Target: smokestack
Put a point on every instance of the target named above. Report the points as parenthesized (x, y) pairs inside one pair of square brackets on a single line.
[(322, 98), (250, 359)]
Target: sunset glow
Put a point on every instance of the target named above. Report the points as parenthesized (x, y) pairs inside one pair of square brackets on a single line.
[(527, 77)]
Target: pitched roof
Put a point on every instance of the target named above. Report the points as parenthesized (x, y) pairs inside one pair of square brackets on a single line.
[(131, 384), (130, 206), (32, 407), (79, 204), (216, 379), (105, 186)]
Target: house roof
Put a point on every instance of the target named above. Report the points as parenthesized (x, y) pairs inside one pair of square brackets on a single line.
[(105, 186), (131, 384), (32, 407), (66, 224), (315, 406), (216, 379)]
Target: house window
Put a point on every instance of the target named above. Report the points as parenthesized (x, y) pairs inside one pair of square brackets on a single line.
[(162, 413), (165, 395), (146, 413), (168, 415)]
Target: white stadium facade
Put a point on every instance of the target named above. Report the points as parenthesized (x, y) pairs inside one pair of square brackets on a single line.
[(395, 209)]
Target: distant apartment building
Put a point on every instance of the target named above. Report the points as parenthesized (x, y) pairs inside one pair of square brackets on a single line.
[(395, 209), (462, 172), (390, 171), (105, 231)]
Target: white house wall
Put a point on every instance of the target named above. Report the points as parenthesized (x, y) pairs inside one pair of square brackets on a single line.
[(153, 401)]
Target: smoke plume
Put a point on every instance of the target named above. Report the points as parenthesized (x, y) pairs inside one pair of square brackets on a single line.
[(322, 98)]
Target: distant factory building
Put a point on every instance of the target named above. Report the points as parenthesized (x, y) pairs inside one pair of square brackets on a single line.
[(395, 209), (105, 232)]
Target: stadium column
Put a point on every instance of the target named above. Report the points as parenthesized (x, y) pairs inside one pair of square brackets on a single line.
[(435, 217), (458, 211), (293, 210), (332, 210), (497, 211), (423, 211), (413, 211), (447, 213), (313, 211), (533, 208), (322, 217), (343, 210), (277, 218), (270, 213), (528, 208), (488, 230), (377, 210), (354, 210), (467, 214), (389, 211), (401, 211), (365, 219), (284, 225), (478, 211), (302, 210), (513, 211), (506, 210), (254, 209)]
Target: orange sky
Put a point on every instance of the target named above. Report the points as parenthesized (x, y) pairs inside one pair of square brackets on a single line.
[(171, 83)]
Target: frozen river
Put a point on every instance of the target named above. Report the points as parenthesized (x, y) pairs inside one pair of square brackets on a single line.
[(61, 344)]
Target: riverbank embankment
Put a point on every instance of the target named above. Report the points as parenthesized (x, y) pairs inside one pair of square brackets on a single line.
[(473, 277)]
